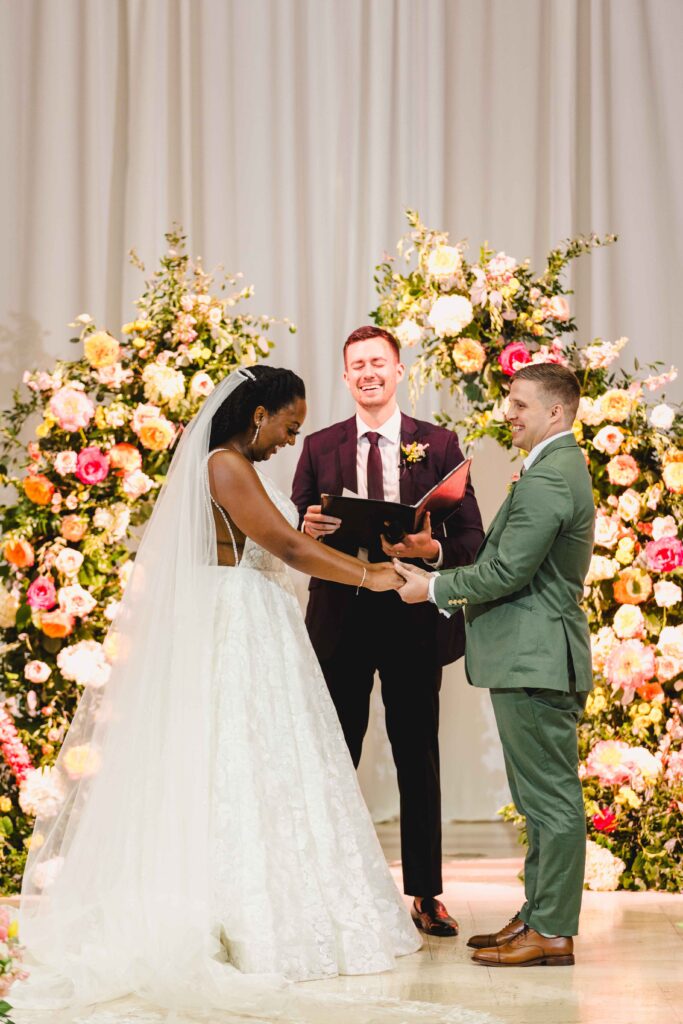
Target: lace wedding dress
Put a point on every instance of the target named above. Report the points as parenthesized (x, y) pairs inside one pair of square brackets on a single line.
[(211, 846)]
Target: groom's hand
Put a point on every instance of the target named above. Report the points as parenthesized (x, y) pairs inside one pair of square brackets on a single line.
[(415, 545), (416, 586)]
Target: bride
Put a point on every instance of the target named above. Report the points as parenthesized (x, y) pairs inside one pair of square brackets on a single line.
[(208, 838)]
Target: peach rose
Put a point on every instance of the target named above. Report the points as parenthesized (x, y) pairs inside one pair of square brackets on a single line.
[(143, 414), (606, 530), (124, 458), (19, 553), (556, 308), (468, 355), (616, 405), (623, 470), (65, 462), (76, 600), (57, 623), (73, 528), (608, 440), (101, 349), (39, 489), (668, 668), (633, 586), (135, 484), (664, 526), (157, 435)]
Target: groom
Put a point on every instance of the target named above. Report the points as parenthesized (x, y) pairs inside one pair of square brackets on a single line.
[(381, 453), (528, 642)]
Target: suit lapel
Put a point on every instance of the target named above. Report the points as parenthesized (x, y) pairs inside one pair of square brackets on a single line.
[(347, 455), (407, 473)]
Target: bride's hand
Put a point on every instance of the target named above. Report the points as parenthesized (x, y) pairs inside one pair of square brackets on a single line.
[(383, 576)]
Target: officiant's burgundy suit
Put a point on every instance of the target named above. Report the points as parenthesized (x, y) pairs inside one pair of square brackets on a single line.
[(355, 635)]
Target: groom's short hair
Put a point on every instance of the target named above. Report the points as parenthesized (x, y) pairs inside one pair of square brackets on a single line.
[(558, 382), (365, 333)]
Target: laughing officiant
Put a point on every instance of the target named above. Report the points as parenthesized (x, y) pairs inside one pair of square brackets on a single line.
[(382, 453)]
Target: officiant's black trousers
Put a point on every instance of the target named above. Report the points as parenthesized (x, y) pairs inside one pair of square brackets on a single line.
[(379, 634)]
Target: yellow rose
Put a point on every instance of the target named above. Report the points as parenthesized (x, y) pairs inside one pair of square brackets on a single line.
[(672, 476), (577, 430), (100, 417), (625, 551), (13, 930), (101, 349), (157, 434), (627, 796), (81, 761), (35, 841), (616, 405), (655, 714), (137, 327), (468, 355), (5, 804)]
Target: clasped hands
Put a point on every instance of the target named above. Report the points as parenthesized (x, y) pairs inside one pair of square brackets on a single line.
[(411, 582)]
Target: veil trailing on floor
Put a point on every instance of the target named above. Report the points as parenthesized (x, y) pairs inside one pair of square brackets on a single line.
[(116, 901)]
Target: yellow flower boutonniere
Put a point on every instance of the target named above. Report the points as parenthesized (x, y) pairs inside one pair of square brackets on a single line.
[(414, 452)]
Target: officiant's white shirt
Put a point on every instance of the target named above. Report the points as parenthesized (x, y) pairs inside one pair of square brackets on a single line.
[(389, 449)]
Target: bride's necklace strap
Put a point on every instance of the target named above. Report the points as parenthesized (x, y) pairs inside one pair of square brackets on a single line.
[(222, 510)]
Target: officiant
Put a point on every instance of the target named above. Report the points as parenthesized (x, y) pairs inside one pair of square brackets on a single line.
[(382, 453)]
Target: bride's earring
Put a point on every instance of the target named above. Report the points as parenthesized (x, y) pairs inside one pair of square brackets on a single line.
[(255, 437)]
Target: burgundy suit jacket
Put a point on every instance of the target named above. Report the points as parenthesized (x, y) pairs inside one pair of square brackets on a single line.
[(327, 465)]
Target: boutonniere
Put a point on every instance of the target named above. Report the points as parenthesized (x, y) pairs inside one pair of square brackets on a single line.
[(412, 453), (513, 481)]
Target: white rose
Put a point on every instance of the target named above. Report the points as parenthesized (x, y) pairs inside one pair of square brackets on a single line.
[(609, 440), (590, 412), (9, 606), (45, 874), (628, 622), (75, 600), (69, 561), (443, 262), (408, 333), (201, 385), (136, 484), (603, 869), (36, 672), (664, 526), (629, 504), (670, 642), (41, 793), (662, 417), (606, 530), (85, 663), (601, 568), (450, 314), (667, 594)]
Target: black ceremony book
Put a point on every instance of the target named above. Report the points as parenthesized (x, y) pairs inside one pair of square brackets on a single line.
[(364, 519)]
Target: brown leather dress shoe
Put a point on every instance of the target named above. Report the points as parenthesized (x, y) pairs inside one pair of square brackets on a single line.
[(432, 918), (512, 928), (528, 949)]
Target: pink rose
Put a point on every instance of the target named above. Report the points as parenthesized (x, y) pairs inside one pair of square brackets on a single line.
[(65, 462), (92, 466), (608, 440), (557, 308), (42, 594), (513, 356), (664, 555), (36, 672), (623, 470), (72, 409), (668, 668)]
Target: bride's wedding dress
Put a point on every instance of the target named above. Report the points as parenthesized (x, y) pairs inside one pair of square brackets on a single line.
[(205, 843)]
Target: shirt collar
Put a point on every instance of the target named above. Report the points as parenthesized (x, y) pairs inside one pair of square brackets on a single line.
[(391, 430), (537, 449)]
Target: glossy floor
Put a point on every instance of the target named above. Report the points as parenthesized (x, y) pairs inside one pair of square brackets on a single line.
[(629, 956)]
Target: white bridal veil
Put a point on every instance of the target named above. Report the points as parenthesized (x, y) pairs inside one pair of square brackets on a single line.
[(116, 901)]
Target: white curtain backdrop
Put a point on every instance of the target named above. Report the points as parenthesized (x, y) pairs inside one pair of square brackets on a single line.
[(287, 136)]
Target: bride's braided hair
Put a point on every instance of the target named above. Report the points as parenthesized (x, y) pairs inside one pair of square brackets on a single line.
[(269, 386)]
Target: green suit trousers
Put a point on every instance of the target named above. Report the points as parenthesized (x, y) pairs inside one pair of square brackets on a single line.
[(538, 732)]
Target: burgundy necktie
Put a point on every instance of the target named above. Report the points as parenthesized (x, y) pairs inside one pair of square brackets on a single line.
[(375, 477)]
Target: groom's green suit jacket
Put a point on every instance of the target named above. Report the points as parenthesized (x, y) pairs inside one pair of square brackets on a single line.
[(524, 623)]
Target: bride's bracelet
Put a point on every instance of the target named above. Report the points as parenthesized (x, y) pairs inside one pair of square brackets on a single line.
[(365, 572)]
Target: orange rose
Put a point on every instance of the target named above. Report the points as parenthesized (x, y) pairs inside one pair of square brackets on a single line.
[(19, 553), (101, 349), (124, 458), (616, 405), (468, 355), (57, 623), (73, 528), (157, 434), (649, 691), (39, 489), (633, 586)]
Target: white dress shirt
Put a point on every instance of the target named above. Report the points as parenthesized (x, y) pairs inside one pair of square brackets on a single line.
[(528, 462)]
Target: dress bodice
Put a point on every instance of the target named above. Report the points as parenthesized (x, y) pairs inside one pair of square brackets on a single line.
[(256, 557)]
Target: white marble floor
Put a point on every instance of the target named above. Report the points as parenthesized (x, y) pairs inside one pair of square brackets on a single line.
[(629, 967)]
